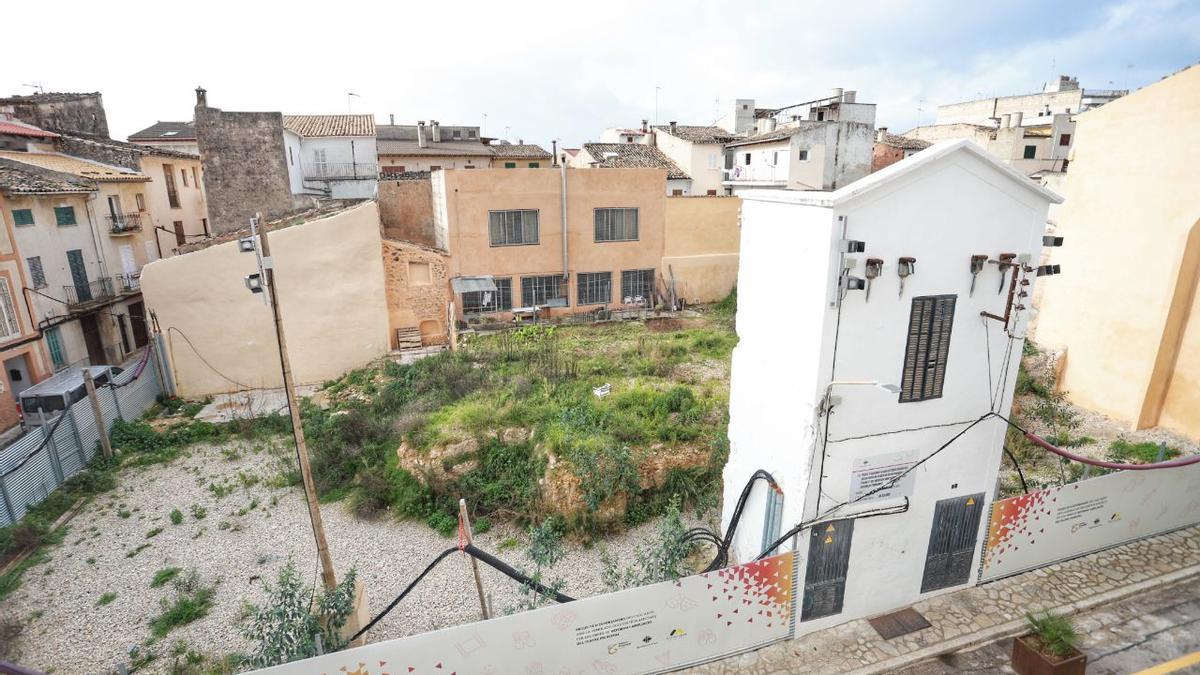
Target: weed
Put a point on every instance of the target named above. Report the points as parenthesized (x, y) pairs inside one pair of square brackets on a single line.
[(154, 533), (1146, 452), (444, 523), (192, 601), (139, 549), (164, 575), (220, 490), (508, 543), (106, 598), (198, 511), (176, 516), (91, 561), (124, 513), (481, 525)]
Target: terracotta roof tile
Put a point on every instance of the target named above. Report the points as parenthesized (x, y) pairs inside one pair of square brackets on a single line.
[(905, 143), (698, 134), (632, 156), (529, 150), (18, 179), (76, 166), (15, 128), (311, 126)]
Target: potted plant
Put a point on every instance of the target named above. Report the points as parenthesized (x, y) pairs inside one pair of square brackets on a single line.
[(1050, 648)]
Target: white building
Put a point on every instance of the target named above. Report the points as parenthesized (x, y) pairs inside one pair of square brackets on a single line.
[(633, 156), (816, 145), (873, 284), (332, 155), (177, 136), (698, 150)]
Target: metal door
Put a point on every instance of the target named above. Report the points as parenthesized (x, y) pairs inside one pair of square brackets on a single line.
[(828, 561), (79, 274), (952, 542)]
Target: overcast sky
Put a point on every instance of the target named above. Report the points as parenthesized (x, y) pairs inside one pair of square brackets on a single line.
[(566, 70)]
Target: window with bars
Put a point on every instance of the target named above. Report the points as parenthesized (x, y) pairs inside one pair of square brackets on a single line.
[(616, 224), (480, 302), (8, 323), (513, 228), (637, 287), (928, 347), (548, 290), (37, 274), (593, 288)]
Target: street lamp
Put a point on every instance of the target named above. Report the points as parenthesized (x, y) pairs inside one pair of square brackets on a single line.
[(828, 401)]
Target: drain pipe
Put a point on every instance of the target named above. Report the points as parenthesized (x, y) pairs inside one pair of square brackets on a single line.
[(563, 172)]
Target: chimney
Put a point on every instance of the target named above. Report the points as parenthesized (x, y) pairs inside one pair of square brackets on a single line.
[(645, 126), (849, 96), (1004, 120), (836, 93), (391, 119), (672, 127), (881, 134), (421, 134), (1016, 119), (437, 131), (201, 97), (554, 151), (520, 141)]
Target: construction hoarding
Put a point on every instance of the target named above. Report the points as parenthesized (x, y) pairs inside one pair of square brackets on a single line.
[(1058, 523), (654, 628)]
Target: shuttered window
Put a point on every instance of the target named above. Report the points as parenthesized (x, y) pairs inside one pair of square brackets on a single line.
[(64, 215), (928, 346), (22, 217), (37, 274), (513, 228)]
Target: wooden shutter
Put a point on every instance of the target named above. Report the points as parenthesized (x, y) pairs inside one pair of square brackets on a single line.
[(928, 347)]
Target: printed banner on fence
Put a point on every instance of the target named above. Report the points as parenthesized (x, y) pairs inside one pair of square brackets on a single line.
[(641, 630), (1058, 523)]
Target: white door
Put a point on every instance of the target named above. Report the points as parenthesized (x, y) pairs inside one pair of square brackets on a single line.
[(128, 264)]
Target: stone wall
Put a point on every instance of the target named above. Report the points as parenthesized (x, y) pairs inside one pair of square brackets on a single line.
[(108, 153), (70, 113), (245, 165), (417, 284), (406, 210)]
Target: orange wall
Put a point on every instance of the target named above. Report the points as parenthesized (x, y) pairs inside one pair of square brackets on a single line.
[(470, 195)]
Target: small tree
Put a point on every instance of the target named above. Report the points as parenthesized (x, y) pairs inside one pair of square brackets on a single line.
[(545, 549), (285, 628), (661, 560)]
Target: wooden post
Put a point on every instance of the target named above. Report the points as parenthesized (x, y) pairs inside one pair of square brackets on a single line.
[(101, 427), (314, 512), (466, 520)]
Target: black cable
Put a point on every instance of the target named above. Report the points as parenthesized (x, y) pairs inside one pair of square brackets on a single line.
[(205, 361), (899, 431), (392, 605), (887, 511), (1013, 458), (29, 456)]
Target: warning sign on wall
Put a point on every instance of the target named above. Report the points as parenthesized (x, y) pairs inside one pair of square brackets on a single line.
[(876, 471)]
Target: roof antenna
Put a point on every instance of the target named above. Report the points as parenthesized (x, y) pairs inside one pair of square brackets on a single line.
[(36, 85)]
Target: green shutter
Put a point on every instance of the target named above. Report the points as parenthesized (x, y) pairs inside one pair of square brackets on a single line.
[(534, 165), (65, 215), (510, 165), (22, 216)]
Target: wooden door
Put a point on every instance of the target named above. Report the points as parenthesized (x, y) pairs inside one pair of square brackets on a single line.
[(137, 324), (91, 337)]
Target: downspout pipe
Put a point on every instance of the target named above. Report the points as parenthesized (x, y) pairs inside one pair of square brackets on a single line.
[(563, 173)]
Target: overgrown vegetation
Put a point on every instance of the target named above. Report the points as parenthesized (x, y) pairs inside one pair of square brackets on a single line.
[(192, 601), (660, 559), (1122, 450), (1055, 634), (287, 626)]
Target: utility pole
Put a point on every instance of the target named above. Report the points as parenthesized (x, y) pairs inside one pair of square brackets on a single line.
[(466, 521), (310, 490), (101, 427)]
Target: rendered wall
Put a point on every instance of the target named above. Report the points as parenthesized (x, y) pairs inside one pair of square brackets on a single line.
[(406, 210), (1120, 307), (700, 246), (331, 283)]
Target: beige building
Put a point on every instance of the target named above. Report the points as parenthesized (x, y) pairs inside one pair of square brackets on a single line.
[(1125, 308), (700, 247), (421, 147), (331, 286), (699, 151)]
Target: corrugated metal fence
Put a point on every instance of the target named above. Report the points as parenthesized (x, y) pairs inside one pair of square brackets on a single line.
[(46, 456)]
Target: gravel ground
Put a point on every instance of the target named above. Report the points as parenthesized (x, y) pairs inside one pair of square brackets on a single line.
[(237, 548)]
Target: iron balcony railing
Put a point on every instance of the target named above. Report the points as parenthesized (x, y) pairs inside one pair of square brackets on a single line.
[(342, 171), (79, 295), (123, 223)]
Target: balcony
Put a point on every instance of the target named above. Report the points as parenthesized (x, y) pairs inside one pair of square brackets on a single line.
[(342, 171), (102, 290), (124, 223), (757, 173)]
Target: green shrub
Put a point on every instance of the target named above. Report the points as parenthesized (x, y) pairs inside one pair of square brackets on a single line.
[(176, 516), (444, 523), (1146, 452), (506, 478), (410, 498), (285, 627), (192, 601), (481, 525), (660, 559), (603, 473), (164, 575), (1055, 634)]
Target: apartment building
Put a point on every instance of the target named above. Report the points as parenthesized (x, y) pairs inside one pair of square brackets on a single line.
[(821, 144), (331, 155), (699, 151), (1063, 95), (513, 249), (421, 147)]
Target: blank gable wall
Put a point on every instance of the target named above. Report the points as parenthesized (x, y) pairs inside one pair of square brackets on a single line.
[(330, 275)]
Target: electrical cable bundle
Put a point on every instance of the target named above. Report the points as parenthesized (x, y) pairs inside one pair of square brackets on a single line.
[(703, 534)]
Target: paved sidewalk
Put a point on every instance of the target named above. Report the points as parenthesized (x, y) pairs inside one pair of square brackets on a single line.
[(981, 614)]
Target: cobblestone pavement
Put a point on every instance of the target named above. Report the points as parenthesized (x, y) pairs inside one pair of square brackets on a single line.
[(981, 614)]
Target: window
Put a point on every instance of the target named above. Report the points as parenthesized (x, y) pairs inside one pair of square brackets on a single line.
[(204, 223), (458, 133), (1064, 139), (9, 326), (637, 287), (36, 273), (54, 344), (510, 165), (470, 133), (195, 178), (1030, 151), (64, 215), (775, 158), (548, 290), (711, 193), (435, 167), (534, 165), (928, 346), (676, 193), (747, 159), (593, 288), (183, 176), (802, 155), (479, 302), (820, 115), (712, 160), (419, 274), (169, 181), (22, 217), (140, 200), (180, 234), (616, 224), (291, 158), (513, 228)]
